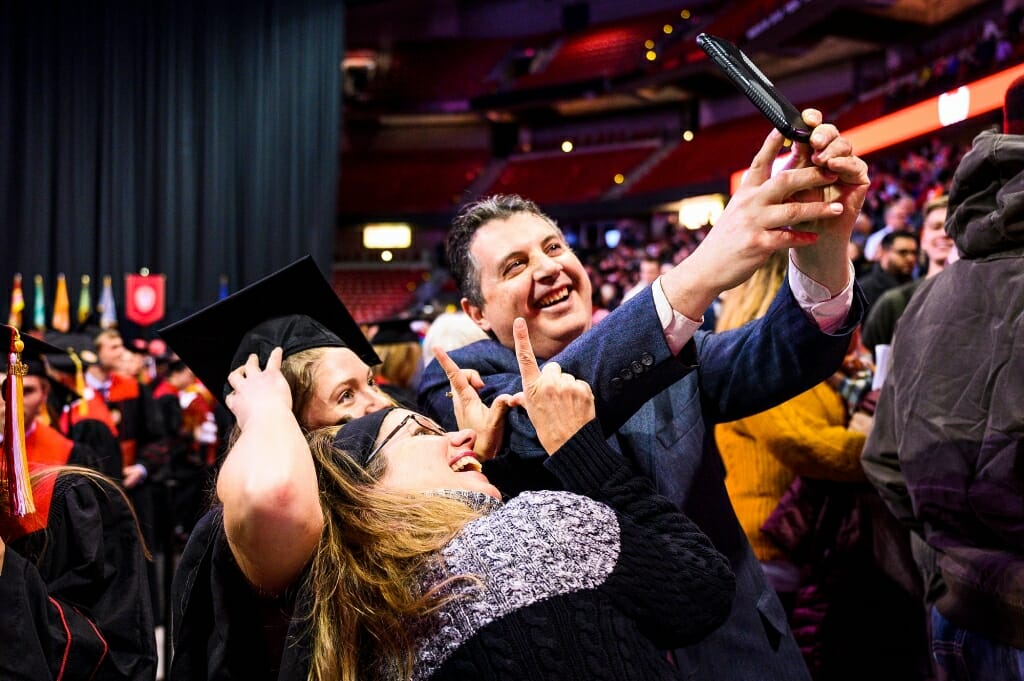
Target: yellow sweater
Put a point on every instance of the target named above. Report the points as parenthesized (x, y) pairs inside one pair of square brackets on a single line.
[(764, 453)]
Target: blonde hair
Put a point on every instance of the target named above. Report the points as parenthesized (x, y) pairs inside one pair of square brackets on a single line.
[(298, 370), (365, 578), (102, 482), (398, 362), (751, 299)]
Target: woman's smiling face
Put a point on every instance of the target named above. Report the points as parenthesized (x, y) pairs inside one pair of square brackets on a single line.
[(422, 457)]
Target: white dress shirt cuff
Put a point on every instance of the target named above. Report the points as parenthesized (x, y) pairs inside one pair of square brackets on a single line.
[(828, 311), (678, 328)]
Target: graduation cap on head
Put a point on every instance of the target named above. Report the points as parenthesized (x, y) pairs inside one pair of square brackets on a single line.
[(391, 331), (81, 344), (34, 364), (22, 356), (31, 356), (294, 308)]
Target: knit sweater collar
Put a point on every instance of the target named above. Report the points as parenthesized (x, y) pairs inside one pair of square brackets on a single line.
[(475, 500)]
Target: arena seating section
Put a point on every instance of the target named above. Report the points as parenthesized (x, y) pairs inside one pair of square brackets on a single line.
[(600, 52), (407, 182), (557, 177), (441, 71), (372, 295), (715, 153)]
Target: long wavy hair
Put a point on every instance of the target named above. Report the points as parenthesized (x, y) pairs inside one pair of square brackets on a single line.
[(102, 482), (751, 299), (366, 577)]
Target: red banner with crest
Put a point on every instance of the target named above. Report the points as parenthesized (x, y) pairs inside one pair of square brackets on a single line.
[(144, 298)]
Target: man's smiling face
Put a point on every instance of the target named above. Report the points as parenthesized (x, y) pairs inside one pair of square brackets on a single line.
[(527, 270)]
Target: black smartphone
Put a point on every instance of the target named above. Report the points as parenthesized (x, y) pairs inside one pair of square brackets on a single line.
[(756, 86)]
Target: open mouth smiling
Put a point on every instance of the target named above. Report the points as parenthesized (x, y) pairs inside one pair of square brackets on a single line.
[(466, 462), (554, 297)]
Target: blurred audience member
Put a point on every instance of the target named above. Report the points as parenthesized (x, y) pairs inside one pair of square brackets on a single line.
[(895, 267), (398, 347), (650, 269), (449, 331), (897, 218), (937, 247), (794, 470), (187, 412), (764, 453)]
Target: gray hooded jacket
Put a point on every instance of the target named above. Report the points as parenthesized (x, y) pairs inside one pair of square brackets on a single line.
[(947, 450)]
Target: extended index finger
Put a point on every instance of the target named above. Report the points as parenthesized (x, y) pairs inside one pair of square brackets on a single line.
[(456, 378), (524, 353)]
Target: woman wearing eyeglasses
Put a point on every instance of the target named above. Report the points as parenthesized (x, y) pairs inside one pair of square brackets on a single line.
[(404, 562)]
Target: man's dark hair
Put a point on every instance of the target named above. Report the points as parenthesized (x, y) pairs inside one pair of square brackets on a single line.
[(890, 238), (471, 218)]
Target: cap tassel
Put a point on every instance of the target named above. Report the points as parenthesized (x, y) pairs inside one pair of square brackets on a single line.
[(83, 403), (15, 459)]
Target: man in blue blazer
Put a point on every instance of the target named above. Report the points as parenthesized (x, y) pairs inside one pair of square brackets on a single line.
[(659, 383)]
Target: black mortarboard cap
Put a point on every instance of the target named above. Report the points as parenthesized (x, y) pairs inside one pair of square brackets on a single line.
[(31, 356), (392, 331), (79, 343), (294, 308)]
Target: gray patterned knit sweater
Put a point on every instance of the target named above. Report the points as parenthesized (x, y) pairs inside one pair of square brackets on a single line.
[(590, 583)]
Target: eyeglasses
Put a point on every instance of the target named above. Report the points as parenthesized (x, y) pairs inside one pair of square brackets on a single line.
[(421, 421)]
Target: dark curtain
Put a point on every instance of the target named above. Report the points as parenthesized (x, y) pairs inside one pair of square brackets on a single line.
[(197, 139)]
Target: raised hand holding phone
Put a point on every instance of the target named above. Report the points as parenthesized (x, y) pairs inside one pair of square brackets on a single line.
[(825, 259), (558, 404)]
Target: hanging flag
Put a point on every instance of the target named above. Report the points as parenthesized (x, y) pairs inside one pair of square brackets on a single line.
[(144, 298), (17, 303), (61, 320), (39, 305), (222, 289), (84, 300), (14, 462), (108, 311)]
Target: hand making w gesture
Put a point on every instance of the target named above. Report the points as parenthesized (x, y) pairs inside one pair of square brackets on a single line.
[(558, 404), (471, 412)]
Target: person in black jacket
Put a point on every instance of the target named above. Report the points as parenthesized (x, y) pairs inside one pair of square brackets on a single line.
[(73, 587)]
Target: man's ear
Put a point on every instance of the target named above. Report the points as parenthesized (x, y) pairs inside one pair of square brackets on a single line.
[(476, 314)]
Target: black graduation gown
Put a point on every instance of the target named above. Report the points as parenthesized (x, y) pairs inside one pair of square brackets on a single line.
[(74, 600), (223, 628)]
